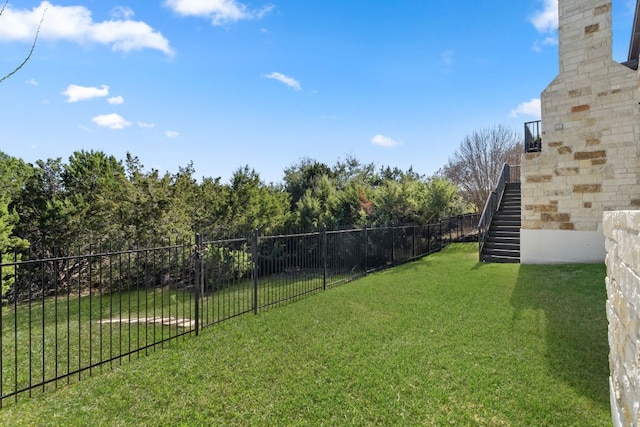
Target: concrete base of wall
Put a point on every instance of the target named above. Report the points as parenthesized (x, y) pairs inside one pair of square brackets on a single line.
[(561, 246)]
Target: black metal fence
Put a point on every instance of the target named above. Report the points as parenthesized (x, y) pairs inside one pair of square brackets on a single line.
[(65, 316)]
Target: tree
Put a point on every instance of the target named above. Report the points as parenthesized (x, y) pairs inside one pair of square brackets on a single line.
[(318, 205), (33, 45), (97, 185), (210, 207), (13, 176), (48, 217), (251, 204), (9, 246), (352, 170), (411, 199), (443, 199), (303, 176), (14, 173), (478, 160), (66, 204)]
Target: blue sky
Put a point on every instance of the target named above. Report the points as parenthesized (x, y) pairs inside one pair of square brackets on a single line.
[(228, 83)]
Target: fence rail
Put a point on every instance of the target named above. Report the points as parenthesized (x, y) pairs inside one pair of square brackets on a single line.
[(63, 317)]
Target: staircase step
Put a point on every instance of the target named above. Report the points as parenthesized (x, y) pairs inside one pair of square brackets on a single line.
[(505, 232), (507, 217), (501, 259), (501, 249), (501, 253), (499, 224), (503, 240)]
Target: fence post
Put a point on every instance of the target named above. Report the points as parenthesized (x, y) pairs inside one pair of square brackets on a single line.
[(199, 280), (254, 255), (366, 249), (413, 241), (393, 245), (323, 239)]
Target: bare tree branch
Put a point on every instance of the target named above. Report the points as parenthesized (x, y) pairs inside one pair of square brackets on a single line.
[(476, 163), (33, 46)]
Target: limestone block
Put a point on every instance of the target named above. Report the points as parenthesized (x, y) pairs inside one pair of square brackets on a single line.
[(564, 171), (584, 155), (531, 224), (555, 217), (575, 206), (538, 178), (587, 188)]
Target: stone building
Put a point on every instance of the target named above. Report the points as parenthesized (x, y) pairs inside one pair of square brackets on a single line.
[(587, 160)]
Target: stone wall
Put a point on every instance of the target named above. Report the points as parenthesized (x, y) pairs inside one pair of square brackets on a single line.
[(589, 162), (622, 231)]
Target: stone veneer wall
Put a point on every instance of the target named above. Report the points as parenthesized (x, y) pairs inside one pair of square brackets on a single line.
[(590, 126), (622, 231)]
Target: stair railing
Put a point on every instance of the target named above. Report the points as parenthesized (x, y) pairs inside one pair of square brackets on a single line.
[(507, 175)]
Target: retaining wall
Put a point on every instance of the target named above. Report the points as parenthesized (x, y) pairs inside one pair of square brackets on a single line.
[(622, 233)]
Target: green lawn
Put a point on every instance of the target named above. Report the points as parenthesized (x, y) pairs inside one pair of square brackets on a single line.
[(441, 341)]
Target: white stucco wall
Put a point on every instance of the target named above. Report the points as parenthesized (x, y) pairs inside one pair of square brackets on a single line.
[(561, 246)]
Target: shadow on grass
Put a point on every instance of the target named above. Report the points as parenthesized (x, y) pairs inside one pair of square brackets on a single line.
[(573, 300)]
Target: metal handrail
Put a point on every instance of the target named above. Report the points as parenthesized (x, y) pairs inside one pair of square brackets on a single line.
[(508, 174)]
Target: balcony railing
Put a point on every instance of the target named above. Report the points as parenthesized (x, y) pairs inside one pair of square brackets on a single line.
[(532, 137)]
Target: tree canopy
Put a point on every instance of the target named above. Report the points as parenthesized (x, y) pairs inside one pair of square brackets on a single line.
[(95, 197)]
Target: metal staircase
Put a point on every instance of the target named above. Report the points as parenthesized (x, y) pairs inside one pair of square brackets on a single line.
[(499, 226), (503, 240)]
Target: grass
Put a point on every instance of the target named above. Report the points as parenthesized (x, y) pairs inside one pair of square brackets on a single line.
[(441, 341), (56, 336), (45, 339)]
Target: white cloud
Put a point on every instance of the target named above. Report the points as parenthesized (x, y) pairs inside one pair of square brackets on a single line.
[(172, 134), (284, 79), (529, 108), (384, 141), (32, 82), (75, 24), (219, 11), (111, 121), (75, 93), (116, 100), (123, 12), (144, 125), (546, 20), (549, 41)]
